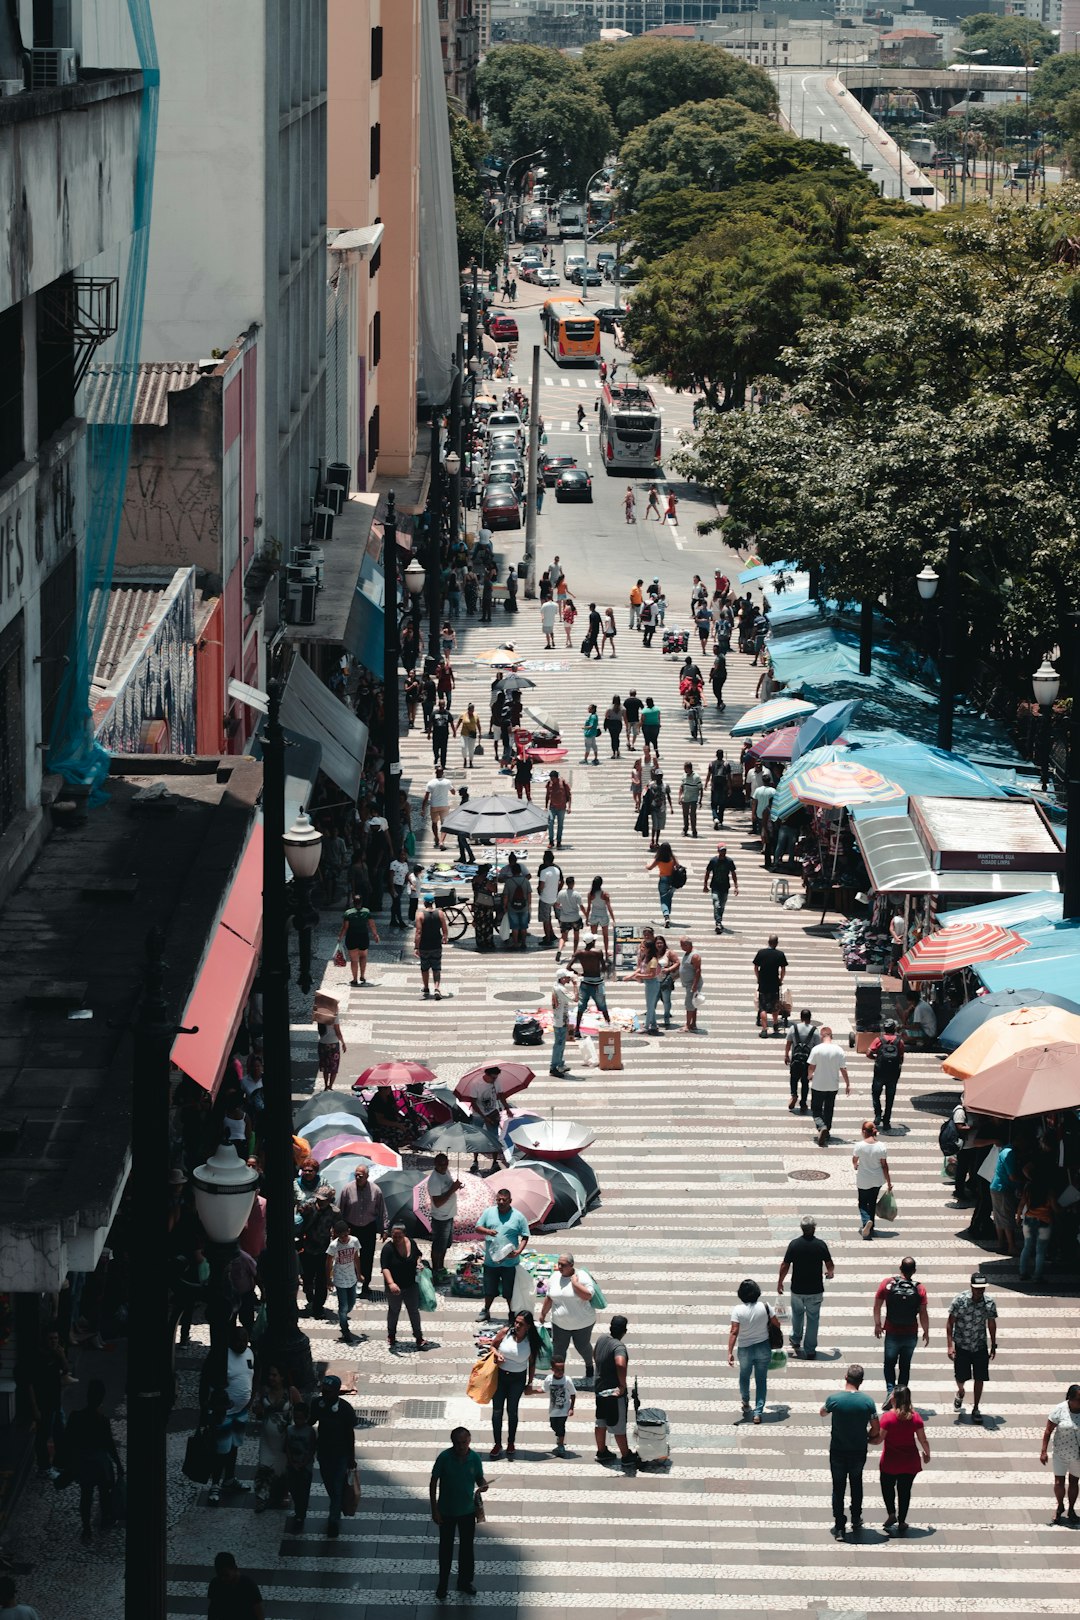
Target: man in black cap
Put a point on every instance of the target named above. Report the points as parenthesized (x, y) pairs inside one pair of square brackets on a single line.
[(335, 1446), (971, 1338), (886, 1053)]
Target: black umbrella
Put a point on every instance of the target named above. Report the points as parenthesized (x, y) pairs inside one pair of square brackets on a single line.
[(513, 683), (587, 1176), (321, 1133), (328, 1102), (397, 1190), (569, 1192), (459, 1136), (500, 815)]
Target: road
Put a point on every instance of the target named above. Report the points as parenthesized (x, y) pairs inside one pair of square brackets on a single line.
[(817, 107)]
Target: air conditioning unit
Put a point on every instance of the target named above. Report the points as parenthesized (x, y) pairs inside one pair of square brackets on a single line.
[(12, 87), (52, 67), (335, 497), (322, 523), (300, 601)]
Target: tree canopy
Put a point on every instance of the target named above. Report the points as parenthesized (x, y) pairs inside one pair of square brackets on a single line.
[(1008, 41), (571, 126), (696, 145), (641, 78), (468, 147), (506, 73)]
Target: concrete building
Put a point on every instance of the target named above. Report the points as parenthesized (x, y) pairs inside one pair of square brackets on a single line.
[(459, 33), (68, 152)]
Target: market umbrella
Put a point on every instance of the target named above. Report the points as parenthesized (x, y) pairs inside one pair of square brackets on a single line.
[(397, 1187), (514, 682), (328, 1102), (775, 744), (1041, 1080), (552, 1140), (530, 1193), (374, 1152), (947, 950), (332, 1125), (460, 1136), (824, 726), (474, 1196), (445, 1095), (543, 722), (779, 711), (835, 784), (499, 815), (567, 1191), (395, 1072), (512, 1077), (587, 1176), (1009, 1034), (338, 1173), (501, 658), (983, 1008)]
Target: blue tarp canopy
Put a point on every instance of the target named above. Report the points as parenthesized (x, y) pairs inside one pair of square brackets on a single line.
[(913, 766), (760, 570), (1013, 911), (1052, 963)]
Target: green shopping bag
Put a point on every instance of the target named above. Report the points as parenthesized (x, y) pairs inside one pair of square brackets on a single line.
[(777, 1360), (429, 1299), (599, 1303), (543, 1355), (886, 1207)]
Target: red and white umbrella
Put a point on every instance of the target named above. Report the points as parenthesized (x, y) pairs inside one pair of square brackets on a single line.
[(395, 1072), (511, 1077), (949, 949), (375, 1152), (776, 744), (530, 1194)]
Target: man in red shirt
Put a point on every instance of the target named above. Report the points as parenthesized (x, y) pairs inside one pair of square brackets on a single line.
[(557, 803), (886, 1053), (903, 1302)]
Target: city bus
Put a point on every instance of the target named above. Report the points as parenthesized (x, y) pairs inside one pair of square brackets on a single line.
[(629, 428), (571, 333)]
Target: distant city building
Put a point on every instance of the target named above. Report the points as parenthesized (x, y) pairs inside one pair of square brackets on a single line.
[(459, 30), (1053, 14)]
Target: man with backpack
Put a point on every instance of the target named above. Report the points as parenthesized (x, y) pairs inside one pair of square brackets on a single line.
[(517, 895), (952, 1137), (886, 1053), (803, 1036), (903, 1302)]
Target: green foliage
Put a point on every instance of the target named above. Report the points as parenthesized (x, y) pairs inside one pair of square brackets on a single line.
[(1057, 76), (641, 78), (1008, 41), (567, 121), (509, 70), (700, 144), (469, 145)]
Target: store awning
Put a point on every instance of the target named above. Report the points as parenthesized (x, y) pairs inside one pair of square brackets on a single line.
[(897, 863), (310, 708), (365, 633), (343, 557), (216, 1004)]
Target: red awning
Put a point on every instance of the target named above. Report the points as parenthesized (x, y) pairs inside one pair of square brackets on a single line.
[(217, 1002)]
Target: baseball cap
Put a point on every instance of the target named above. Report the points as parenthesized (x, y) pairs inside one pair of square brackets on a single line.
[(978, 1280)]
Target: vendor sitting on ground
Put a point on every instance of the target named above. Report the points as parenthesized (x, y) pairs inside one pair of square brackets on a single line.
[(391, 1121)]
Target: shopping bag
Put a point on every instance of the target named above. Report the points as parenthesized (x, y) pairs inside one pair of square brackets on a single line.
[(523, 1297), (340, 959), (483, 1379), (543, 1355), (778, 1361), (350, 1496), (598, 1301), (589, 1055), (429, 1299), (886, 1207), (504, 927), (198, 1457)]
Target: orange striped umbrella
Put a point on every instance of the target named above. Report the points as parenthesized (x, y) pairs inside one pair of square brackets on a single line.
[(949, 949), (841, 782)]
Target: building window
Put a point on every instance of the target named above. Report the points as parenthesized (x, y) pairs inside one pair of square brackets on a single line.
[(376, 150), (376, 54), (11, 388), (374, 262), (376, 338), (57, 621), (55, 357), (12, 735)]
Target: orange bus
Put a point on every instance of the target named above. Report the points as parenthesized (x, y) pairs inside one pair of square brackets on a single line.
[(571, 333)]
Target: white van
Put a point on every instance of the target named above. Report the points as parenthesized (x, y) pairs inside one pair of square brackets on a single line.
[(572, 262)]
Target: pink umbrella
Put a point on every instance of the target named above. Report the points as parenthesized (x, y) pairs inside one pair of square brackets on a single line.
[(474, 1197), (531, 1195), (395, 1072), (776, 744), (512, 1077), (377, 1152)]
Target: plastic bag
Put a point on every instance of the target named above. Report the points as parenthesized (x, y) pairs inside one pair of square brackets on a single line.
[(504, 927), (587, 1049), (543, 1355), (886, 1206), (350, 1496), (429, 1299), (698, 1000), (523, 1297), (483, 1379), (340, 959), (778, 1360)]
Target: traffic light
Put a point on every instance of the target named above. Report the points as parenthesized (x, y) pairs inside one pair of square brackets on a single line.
[(493, 281)]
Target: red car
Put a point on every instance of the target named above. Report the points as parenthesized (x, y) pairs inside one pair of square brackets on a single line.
[(499, 508), (503, 328)]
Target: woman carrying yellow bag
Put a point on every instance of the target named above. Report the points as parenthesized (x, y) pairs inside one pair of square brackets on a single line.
[(483, 1379)]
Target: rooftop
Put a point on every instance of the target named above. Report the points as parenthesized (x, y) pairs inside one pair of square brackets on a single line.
[(156, 381)]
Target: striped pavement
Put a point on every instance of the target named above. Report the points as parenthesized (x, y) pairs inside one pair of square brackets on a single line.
[(704, 1174)]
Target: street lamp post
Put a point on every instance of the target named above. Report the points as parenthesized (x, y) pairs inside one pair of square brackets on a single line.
[(982, 51), (927, 583), (391, 699), (1045, 683), (303, 849), (453, 458), (224, 1189), (285, 1343), (524, 158)]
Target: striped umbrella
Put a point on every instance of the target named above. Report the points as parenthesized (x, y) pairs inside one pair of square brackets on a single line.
[(779, 711), (947, 950), (777, 745), (842, 782)]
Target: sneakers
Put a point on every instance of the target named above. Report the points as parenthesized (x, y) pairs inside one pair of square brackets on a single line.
[(822, 1136), (559, 1450), (976, 1415), (496, 1451), (213, 1495), (867, 1229), (958, 1403), (605, 1455), (838, 1532)]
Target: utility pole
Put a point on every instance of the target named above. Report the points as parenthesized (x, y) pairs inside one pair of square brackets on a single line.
[(947, 643), (530, 487), (391, 650), (454, 439)]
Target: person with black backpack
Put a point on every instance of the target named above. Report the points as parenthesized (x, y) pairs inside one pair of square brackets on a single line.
[(886, 1053), (903, 1302), (803, 1036)]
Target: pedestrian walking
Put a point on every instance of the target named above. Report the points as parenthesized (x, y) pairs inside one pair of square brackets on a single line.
[(613, 724), (573, 1316), (886, 1052), (561, 995), (1063, 1428), (317, 1217), (770, 965), (690, 979), (854, 1426), (300, 1444), (272, 1407), (900, 1309), (227, 1410), (517, 902), (671, 511), (399, 879), (443, 726), (636, 598), (647, 623), (229, 1596), (456, 1485), (335, 1445), (665, 864), (630, 508), (549, 617), (591, 644), (652, 509), (632, 713), (506, 1235), (809, 1261), (569, 617), (523, 775), (364, 1212), (826, 1067), (871, 1165), (443, 1189), (611, 1361), (511, 591), (429, 937), (549, 880), (539, 496), (718, 782), (357, 933), (600, 913), (557, 800), (592, 964), (90, 1455), (655, 804), (437, 795), (581, 418), (718, 678), (469, 732), (516, 1348), (562, 1398), (971, 1341), (487, 594), (650, 726), (904, 1451), (569, 910), (343, 1274), (591, 731), (690, 790), (802, 1037), (749, 1336), (399, 1262)]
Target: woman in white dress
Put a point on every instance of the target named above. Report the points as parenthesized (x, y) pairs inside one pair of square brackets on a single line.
[(1063, 1428)]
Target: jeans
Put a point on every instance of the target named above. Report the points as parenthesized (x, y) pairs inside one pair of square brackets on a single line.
[(666, 987), (805, 1317), (847, 1468), (719, 901), (899, 1349), (754, 1358), (440, 741), (878, 1085), (346, 1300), (652, 996), (333, 1471), (555, 826), (558, 1046), (635, 614), (508, 1393), (313, 1275), (798, 1075), (718, 808), (580, 1338), (1036, 1243), (299, 1483), (442, 1235), (666, 891), (822, 1104), (464, 1525), (410, 1298), (894, 1486), (868, 1197), (595, 989)]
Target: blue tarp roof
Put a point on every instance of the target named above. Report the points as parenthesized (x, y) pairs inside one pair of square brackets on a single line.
[(1012, 912), (913, 766), (1051, 964)]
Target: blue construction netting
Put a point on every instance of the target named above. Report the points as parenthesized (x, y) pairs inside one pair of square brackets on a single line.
[(73, 751)]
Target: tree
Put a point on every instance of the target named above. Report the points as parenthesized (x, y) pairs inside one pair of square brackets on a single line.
[(1057, 76), (569, 124), (469, 145), (508, 71), (642, 78), (1008, 41), (697, 145)]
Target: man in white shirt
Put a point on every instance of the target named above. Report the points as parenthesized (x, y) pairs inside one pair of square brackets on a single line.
[(563, 996), (569, 1299), (437, 794), (549, 880), (921, 1018), (826, 1068), (232, 1422), (549, 618), (443, 1189), (488, 1103)]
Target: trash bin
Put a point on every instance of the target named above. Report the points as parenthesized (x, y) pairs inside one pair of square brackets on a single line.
[(610, 1043)]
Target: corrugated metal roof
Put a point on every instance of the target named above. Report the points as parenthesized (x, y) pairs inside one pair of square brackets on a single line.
[(157, 379), (131, 607)]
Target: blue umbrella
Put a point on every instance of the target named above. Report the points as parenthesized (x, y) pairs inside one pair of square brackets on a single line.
[(976, 1013), (824, 726), (759, 571)]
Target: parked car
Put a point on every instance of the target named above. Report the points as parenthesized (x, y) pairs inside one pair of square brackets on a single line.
[(546, 277), (534, 230), (483, 297), (575, 484), (503, 328), (552, 466), (500, 508), (586, 275), (503, 422)]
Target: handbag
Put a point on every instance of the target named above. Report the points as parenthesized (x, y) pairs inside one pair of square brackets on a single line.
[(429, 1299), (483, 1379), (776, 1331), (598, 1302), (198, 1461), (350, 1495), (543, 1355), (678, 877)]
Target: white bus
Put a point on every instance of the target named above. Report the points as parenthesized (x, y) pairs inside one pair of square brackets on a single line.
[(629, 428)]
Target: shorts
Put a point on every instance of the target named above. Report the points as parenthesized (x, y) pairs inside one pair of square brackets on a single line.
[(519, 920), (972, 1364), (568, 923), (543, 910), (1003, 1205), (768, 1001), (431, 961), (439, 814), (229, 1433), (619, 1426)]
